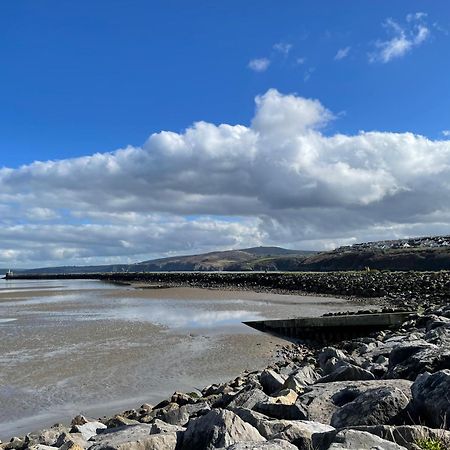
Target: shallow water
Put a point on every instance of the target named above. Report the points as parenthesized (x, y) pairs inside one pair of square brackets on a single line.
[(71, 346)]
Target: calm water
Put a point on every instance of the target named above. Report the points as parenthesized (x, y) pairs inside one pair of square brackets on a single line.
[(71, 346)]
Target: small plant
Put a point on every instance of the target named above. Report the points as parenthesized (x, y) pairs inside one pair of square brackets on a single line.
[(430, 444)]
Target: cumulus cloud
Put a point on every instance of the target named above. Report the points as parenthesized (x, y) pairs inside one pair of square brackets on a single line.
[(259, 64), (342, 53), (280, 180), (403, 38)]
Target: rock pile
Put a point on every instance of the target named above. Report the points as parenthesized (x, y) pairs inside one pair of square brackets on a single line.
[(390, 391)]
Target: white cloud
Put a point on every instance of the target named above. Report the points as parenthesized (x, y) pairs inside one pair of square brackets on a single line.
[(403, 38), (283, 48), (280, 180), (446, 133), (259, 64), (342, 53), (300, 61)]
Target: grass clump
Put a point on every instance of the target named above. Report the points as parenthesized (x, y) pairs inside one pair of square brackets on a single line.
[(430, 444)]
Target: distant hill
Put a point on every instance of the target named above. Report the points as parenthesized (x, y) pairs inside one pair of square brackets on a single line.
[(255, 258), (421, 254)]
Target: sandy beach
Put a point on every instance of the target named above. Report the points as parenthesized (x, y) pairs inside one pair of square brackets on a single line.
[(85, 346)]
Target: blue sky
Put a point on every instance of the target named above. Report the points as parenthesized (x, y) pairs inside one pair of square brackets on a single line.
[(86, 78)]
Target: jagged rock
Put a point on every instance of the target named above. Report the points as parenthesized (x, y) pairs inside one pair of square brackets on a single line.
[(299, 432), (302, 378), (120, 421), (322, 400), (347, 372), (431, 398), (280, 411), (182, 399), (330, 356), (248, 398), (218, 428), (176, 415), (158, 426), (75, 438), (276, 444), (271, 381), (88, 429), (134, 437), (46, 437), (407, 435), (409, 361), (351, 439), (285, 397), (380, 406)]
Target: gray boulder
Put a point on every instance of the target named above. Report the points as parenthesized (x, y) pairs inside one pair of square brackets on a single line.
[(271, 381), (295, 411), (218, 428), (322, 400), (175, 414), (409, 361), (379, 406), (301, 378), (408, 435), (358, 440), (329, 357), (347, 372), (248, 398), (46, 437), (431, 398), (134, 437), (299, 432), (88, 429)]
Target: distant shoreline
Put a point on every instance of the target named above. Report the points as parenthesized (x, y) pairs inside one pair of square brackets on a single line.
[(405, 289)]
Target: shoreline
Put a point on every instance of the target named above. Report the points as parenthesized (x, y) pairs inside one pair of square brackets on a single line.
[(245, 347), (293, 402)]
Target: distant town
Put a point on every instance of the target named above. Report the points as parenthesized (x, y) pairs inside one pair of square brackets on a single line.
[(420, 242)]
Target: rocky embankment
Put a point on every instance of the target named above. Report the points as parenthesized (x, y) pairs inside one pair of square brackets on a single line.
[(387, 391), (405, 289)]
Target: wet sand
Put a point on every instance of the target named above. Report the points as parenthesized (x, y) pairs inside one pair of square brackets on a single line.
[(90, 347)]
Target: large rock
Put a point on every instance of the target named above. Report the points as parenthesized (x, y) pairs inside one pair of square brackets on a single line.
[(134, 437), (329, 357), (248, 398), (347, 372), (379, 406), (271, 381), (301, 378), (408, 435), (294, 411), (359, 440), (46, 437), (175, 414), (277, 444), (218, 428), (431, 398), (299, 432), (409, 361), (88, 429), (322, 400)]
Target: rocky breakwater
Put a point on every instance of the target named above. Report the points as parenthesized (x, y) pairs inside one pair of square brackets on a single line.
[(406, 289), (389, 390)]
